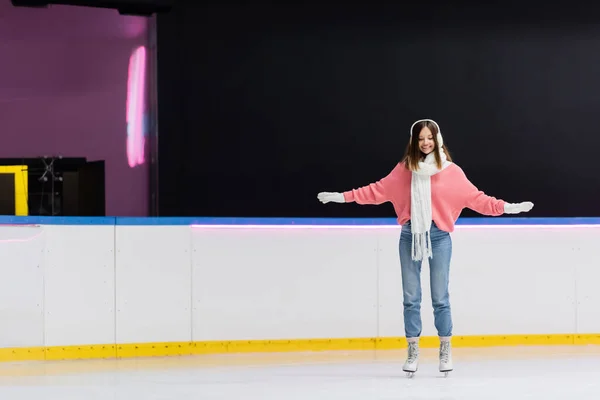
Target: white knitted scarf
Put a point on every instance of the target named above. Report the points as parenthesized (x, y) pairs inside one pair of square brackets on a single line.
[(420, 206)]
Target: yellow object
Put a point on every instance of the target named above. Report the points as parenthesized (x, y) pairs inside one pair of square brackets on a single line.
[(21, 187), (135, 350)]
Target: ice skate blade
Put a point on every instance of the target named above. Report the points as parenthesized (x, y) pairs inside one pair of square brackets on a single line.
[(410, 372)]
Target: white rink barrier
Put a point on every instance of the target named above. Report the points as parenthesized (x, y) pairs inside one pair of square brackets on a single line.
[(124, 283)]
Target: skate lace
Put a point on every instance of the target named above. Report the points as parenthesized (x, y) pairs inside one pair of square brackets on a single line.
[(445, 352), (413, 352)]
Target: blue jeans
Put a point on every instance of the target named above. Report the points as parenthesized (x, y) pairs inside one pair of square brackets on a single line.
[(439, 266)]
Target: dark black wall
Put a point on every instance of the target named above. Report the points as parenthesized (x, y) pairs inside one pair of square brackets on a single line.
[(261, 108)]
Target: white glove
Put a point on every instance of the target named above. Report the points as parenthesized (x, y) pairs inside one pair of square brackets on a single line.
[(326, 197), (517, 208)]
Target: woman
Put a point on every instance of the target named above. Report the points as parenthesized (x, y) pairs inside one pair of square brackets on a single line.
[(428, 192)]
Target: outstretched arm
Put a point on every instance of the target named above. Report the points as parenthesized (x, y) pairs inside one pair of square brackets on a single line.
[(480, 202), (374, 193)]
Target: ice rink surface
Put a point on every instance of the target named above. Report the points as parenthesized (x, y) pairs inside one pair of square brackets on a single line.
[(507, 373)]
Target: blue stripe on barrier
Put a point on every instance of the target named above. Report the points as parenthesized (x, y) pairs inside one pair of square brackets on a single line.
[(37, 220), (158, 221)]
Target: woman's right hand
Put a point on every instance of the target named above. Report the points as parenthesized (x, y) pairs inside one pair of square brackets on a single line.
[(335, 197)]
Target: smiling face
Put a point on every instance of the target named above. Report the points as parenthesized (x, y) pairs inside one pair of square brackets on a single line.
[(427, 143), (423, 141)]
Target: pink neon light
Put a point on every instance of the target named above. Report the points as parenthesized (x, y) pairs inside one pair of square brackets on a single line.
[(22, 240), (22, 225), (580, 226), (135, 107)]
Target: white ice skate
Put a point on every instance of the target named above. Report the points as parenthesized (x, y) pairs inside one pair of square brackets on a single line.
[(445, 357), (412, 361)]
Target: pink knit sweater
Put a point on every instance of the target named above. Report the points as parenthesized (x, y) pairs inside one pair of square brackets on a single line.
[(451, 191)]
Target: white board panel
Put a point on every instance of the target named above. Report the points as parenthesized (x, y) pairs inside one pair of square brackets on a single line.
[(80, 285), (153, 291), (513, 281), (22, 286), (502, 281), (70, 285), (586, 249), (284, 283)]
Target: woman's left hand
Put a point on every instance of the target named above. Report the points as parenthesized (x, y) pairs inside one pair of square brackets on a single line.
[(517, 208)]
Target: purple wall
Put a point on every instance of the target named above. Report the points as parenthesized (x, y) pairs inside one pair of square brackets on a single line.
[(63, 90)]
